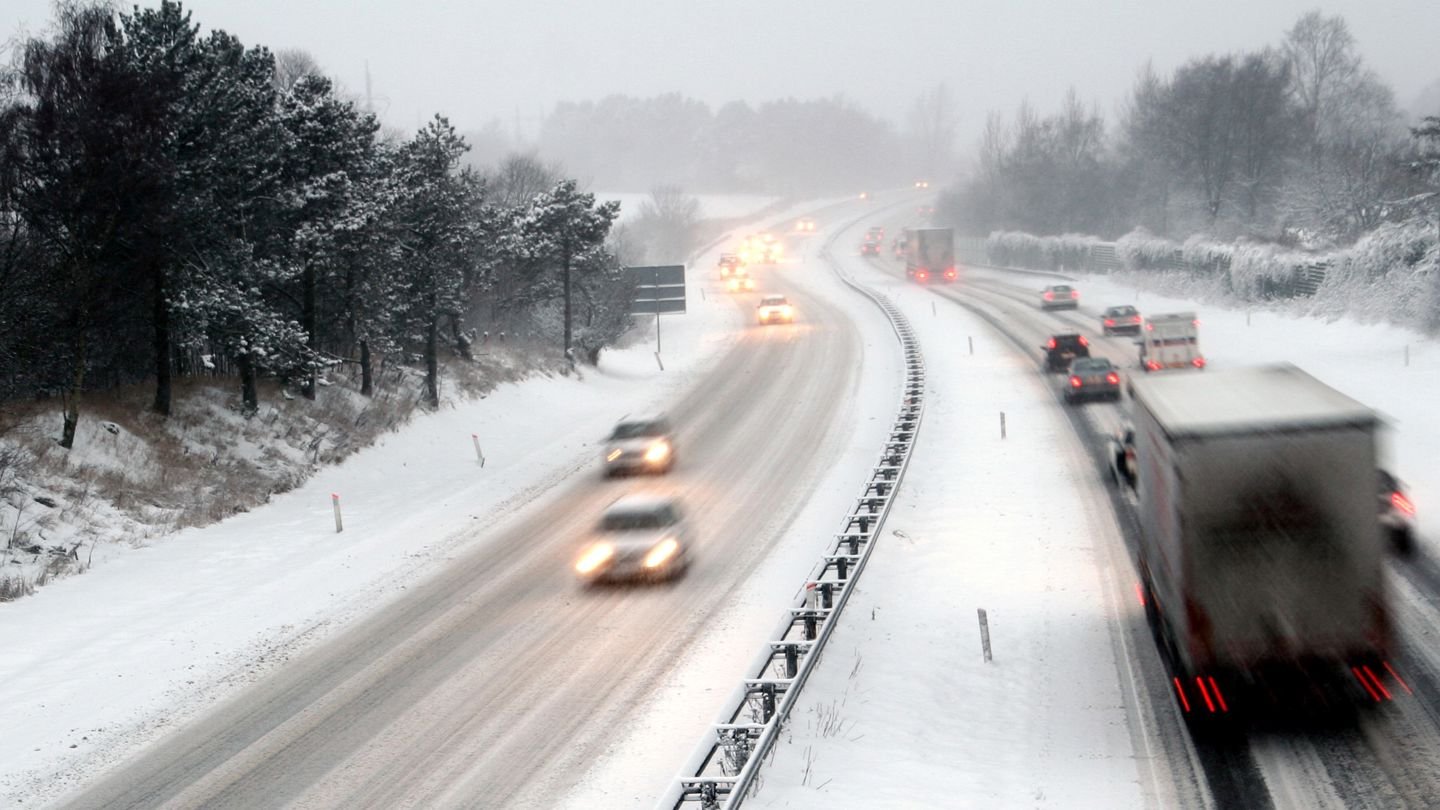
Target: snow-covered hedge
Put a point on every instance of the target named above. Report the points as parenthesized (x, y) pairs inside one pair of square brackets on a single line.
[(1142, 250), (1071, 251)]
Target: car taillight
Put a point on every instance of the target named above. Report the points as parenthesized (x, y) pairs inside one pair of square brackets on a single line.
[(921, 275), (1049, 296), (1399, 501), (1150, 327), (1083, 341), (1135, 319), (950, 272), (1112, 378), (1199, 362), (1076, 382), (1109, 321), (1074, 293), (1052, 343), (1152, 365)]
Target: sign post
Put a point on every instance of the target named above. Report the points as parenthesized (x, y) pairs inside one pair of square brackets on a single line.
[(658, 288)]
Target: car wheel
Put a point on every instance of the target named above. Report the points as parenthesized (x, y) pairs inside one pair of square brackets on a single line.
[(1402, 541)]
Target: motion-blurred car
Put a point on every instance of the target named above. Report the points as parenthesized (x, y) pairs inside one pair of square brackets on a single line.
[(864, 195), (1122, 320), (1122, 456), (922, 184), (925, 210), (1059, 296), (774, 309), (640, 445), (1092, 378), (875, 233), (640, 537), (729, 263), (898, 247), (740, 281), (805, 225), (1397, 512), (869, 248), (1063, 348)]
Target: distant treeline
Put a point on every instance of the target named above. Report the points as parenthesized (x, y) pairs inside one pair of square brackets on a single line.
[(1299, 143), (786, 147), (171, 202)]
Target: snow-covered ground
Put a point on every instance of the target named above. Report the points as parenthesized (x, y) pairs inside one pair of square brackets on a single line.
[(902, 713)]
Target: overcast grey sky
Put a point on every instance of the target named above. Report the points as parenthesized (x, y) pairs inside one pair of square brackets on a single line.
[(478, 60)]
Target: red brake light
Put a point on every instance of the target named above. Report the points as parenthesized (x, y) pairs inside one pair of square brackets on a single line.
[(1049, 296), (1199, 362), (1112, 378), (1109, 321), (1399, 501), (1074, 293), (1150, 327), (1135, 319), (1083, 341), (1052, 343), (1076, 382), (1195, 322), (921, 275)]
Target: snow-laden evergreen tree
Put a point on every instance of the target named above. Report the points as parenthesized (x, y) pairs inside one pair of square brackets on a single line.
[(439, 226), (328, 151), (555, 230)]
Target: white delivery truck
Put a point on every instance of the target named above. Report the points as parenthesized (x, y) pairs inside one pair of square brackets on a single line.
[(930, 255), (1169, 341), (1260, 553)]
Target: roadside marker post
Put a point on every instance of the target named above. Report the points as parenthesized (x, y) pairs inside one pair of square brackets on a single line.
[(335, 502), (984, 634), (475, 437)]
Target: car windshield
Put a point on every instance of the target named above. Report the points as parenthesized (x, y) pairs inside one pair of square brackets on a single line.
[(1066, 341), (629, 521), (1120, 311), (636, 430), (1091, 364), (773, 301)]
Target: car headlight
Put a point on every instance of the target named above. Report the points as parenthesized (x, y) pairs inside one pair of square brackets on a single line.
[(786, 312), (662, 552), (594, 557), (614, 454), (657, 452)]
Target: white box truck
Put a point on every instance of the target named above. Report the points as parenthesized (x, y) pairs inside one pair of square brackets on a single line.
[(930, 255), (1170, 341), (1260, 554)]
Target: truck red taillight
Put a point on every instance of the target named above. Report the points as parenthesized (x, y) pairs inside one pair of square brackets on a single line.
[(1083, 341), (1399, 501), (1199, 362), (950, 273)]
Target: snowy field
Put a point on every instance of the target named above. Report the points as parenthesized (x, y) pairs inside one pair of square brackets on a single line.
[(901, 713)]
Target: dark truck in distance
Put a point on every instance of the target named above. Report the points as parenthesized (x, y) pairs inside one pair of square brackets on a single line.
[(1063, 348), (930, 255), (1260, 566)]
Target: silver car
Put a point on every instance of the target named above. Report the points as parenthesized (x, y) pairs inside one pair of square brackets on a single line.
[(640, 445), (1059, 296), (640, 537)]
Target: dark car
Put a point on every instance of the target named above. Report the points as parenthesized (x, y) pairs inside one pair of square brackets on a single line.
[(1397, 512), (1123, 320), (1092, 378), (869, 248), (1063, 348)]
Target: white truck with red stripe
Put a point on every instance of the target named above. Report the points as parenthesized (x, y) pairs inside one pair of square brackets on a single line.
[(1260, 554)]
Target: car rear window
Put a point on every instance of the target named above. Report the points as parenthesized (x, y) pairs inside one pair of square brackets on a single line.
[(1090, 364), (1059, 288)]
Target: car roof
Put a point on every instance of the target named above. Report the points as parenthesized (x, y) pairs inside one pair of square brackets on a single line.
[(1121, 308), (1058, 287), (644, 419), (642, 502), (774, 299)]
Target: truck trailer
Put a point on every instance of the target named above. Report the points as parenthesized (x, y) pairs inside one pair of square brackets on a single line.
[(1170, 341), (930, 255), (1260, 553)]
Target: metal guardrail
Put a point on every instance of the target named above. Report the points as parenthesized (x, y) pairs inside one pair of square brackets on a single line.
[(723, 769)]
